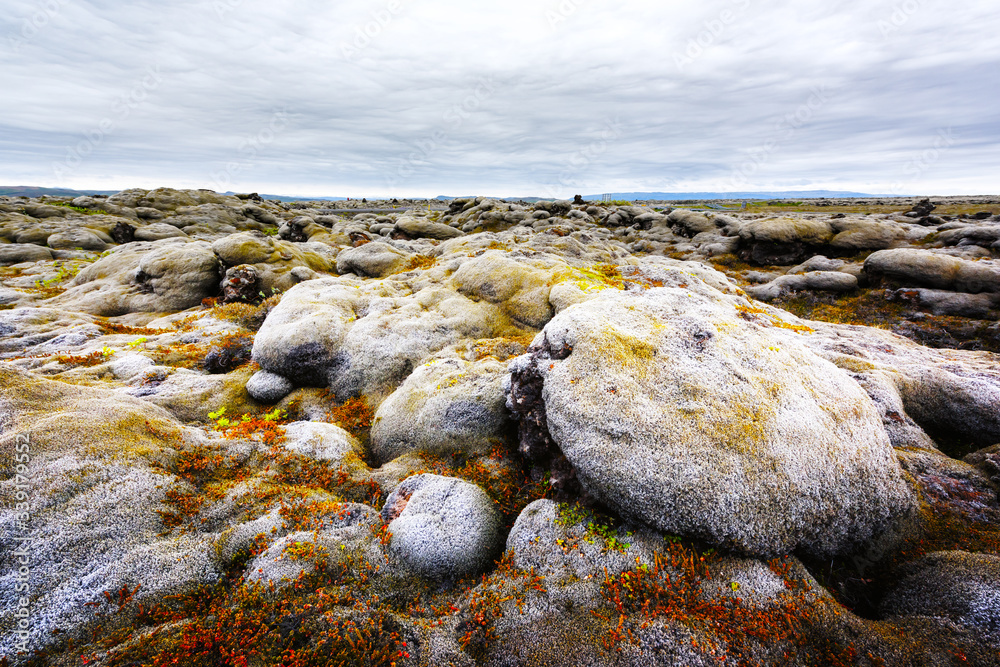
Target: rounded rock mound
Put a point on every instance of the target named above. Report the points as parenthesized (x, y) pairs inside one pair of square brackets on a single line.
[(442, 527), (701, 414)]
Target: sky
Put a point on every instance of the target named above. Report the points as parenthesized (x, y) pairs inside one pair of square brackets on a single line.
[(515, 98)]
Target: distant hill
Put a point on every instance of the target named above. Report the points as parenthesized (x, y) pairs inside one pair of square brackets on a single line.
[(30, 191), (787, 194)]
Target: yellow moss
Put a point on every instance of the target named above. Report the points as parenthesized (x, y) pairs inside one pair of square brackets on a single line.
[(623, 350), (769, 319), (451, 381), (501, 349), (420, 262)]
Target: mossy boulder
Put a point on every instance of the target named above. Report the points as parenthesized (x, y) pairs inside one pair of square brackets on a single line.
[(160, 276), (365, 337), (417, 227), (348, 539), (700, 414), (15, 253), (445, 406), (442, 528), (927, 268), (784, 240), (373, 260), (520, 289)]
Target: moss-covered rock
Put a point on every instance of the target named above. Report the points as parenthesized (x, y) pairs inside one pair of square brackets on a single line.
[(702, 415), (445, 406), (442, 528)]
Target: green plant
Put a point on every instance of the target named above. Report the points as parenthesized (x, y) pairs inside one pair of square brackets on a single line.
[(275, 415), (221, 422), (63, 272), (136, 343), (274, 292)]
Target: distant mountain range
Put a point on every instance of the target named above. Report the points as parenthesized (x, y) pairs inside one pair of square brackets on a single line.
[(697, 196), (29, 191), (785, 194)]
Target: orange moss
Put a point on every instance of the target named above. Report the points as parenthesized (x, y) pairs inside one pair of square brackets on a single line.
[(246, 315), (501, 349), (868, 307), (210, 473), (750, 313), (354, 416), (262, 430), (108, 328), (420, 262), (188, 355), (92, 359), (485, 603), (726, 628), (236, 624)]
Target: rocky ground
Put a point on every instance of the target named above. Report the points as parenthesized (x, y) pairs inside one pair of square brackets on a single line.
[(241, 432)]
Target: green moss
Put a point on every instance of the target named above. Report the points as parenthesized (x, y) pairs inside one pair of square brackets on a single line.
[(599, 528), (78, 209)]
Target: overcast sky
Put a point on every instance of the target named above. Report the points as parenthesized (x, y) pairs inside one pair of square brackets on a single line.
[(533, 97)]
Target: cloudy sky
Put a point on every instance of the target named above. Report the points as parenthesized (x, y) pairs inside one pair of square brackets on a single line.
[(533, 97)]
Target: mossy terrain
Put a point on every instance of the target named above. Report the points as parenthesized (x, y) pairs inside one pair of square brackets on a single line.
[(224, 461), (875, 307), (868, 207)]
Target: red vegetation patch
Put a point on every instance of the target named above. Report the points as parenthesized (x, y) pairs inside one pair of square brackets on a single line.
[(485, 603), (354, 416), (86, 360), (108, 328), (727, 628), (251, 625)]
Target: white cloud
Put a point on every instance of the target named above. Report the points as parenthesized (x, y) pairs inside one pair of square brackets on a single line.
[(388, 96)]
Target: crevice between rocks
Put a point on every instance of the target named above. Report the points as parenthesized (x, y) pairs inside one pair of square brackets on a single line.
[(535, 443)]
